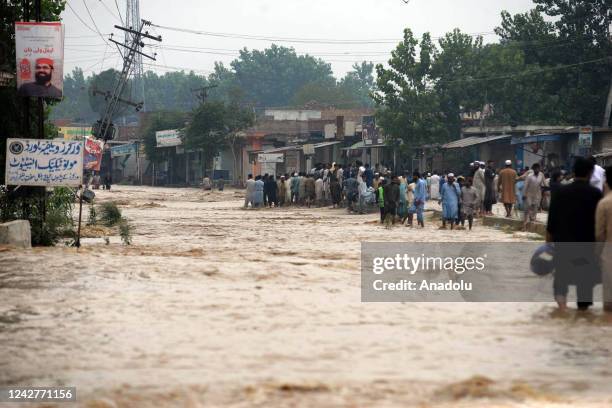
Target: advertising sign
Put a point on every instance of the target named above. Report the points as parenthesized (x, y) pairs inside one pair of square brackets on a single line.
[(39, 162), (168, 138), (123, 150), (40, 59), (308, 149), (585, 137), (271, 158), (93, 154), (74, 132)]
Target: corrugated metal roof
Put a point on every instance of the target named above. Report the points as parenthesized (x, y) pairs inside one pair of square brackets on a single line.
[(604, 154), (362, 145), (325, 144), (473, 141), (283, 149)]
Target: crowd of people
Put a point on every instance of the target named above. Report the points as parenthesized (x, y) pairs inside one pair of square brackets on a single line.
[(399, 197), (358, 187), (577, 209)]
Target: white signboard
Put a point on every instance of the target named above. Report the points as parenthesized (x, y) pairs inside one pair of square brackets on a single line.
[(271, 158), (268, 168), (39, 48), (168, 138), (39, 162), (585, 137)]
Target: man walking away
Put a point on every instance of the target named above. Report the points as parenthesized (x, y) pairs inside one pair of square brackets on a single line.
[(250, 192), (368, 175), (490, 192), (319, 190), (506, 185), (391, 199), (451, 194), (259, 192), (603, 233), (380, 197), (532, 194), (470, 202), (282, 191), (309, 189), (420, 197), (571, 221), (295, 188), (479, 185), (272, 189), (434, 186), (351, 191)]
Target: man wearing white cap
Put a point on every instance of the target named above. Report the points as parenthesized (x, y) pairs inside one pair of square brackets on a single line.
[(505, 185)]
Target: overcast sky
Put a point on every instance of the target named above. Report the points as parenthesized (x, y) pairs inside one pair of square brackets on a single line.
[(315, 23)]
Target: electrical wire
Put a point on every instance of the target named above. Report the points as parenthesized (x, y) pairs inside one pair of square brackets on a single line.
[(81, 20), (119, 11), (528, 72), (110, 11), (94, 22), (295, 39)]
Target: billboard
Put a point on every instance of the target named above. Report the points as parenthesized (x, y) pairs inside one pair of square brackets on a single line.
[(93, 154), (123, 150), (74, 132), (39, 48), (168, 138), (271, 158), (39, 162), (585, 137)]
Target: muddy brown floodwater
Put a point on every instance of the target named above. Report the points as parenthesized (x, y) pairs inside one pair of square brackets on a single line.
[(216, 306)]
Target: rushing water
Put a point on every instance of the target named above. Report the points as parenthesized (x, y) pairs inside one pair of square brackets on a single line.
[(213, 305)]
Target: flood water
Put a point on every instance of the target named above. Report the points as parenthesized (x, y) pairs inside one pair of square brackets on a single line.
[(213, 305)]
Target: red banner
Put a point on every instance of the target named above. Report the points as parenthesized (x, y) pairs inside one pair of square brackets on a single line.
[(93, 154)]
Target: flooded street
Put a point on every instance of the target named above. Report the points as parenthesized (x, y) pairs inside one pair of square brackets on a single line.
[(213, 305)]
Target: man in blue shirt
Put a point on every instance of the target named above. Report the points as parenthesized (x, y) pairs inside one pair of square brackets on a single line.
[(420, 197)]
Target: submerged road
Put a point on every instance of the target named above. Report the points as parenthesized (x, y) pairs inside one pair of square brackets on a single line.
[(213, 305)]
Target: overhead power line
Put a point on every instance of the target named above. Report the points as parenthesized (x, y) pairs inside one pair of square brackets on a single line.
[(81, 20), (528, 72), (97, 30), (297, 39)]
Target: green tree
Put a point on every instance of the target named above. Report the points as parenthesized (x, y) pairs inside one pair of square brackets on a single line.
[(408, 108), (317, 94), (75, 104), (215, 125), (360, 83), (101, 86), (163, 120), (272, 77), (207, 130)]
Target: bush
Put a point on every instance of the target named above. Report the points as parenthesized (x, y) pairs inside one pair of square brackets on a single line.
[(93, 215), (48, 222), (125, 230), (110, 214)]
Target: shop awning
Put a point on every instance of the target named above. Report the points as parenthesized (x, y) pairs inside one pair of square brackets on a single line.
[(282, 149), (535, 139), (473, 141), (361, 145), (325, 144), (603, 155)]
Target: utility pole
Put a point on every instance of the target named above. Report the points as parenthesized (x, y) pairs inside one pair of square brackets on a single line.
[(202, 93), (104, 128)]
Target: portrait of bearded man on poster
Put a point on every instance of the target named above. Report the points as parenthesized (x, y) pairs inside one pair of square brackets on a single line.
[(42, 86)]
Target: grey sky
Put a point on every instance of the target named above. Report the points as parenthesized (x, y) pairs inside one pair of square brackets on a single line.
[(313, 19)]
